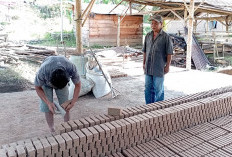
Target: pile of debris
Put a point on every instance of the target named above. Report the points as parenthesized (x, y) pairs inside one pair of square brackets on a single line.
[(11, 53)]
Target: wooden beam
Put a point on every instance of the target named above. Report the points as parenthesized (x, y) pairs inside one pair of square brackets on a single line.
[(150, 4), (78, 28), (177, 15), (211, 18), (116, 6), (199, 5), (86, 17), (124, 14), (142, 8), (130, 7), (185, 16), (190, 35), (158, 11), (186, 6), (85, 11), (195, 26)]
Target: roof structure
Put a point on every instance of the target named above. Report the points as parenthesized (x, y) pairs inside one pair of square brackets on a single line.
[(171, 9)]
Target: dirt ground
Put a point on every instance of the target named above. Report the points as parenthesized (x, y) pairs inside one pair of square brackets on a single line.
[(20, 117)]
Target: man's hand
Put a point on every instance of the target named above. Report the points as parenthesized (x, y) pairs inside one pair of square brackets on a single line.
[(68, 107), (51, 107), (166, 69)]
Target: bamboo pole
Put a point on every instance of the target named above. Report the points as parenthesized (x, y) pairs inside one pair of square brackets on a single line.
[(195, 26), (89, 5), (116, 6), (86, 17), (185, 16), (78, 28), (130, 8), (190, 32)]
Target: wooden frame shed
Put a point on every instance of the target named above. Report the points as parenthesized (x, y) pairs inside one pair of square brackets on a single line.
[(101, 28)]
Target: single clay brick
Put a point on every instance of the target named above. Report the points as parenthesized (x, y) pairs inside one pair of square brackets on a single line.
[(68, 140), (75, 139), (73, 151), (90, 121), (102, 120), (107, 119), (66, 126), (112, 129), (86, 124), (92, 145), (79, 124), (38, 147), (3, 153), (96, 120), (88, 135), (53, 144), (100, 131), (72, 124), (81, 136), (30, 149), (94, 152), (106, 129), (47, 147), (125, 114), (114, 111), (65, 152), (11, 152), (21, 142), (13, 145), (117, 126), (132, 122), (122, 125), (94, 132), (61, 142), (85, 147), (60, 129)]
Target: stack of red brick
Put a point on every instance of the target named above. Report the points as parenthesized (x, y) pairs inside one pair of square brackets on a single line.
[(107, 135)]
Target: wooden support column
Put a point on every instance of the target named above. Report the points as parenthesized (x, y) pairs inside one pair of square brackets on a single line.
[(78, 28), (227, 24), (130, 8), (207, 23), (195, 26), (190, 32), (185, 16), (118, 31)]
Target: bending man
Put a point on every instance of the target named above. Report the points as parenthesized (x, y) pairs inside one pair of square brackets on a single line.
[(55, 73)]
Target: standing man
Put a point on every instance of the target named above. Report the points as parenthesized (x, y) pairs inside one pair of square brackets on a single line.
[(55, 73), (157, 56)]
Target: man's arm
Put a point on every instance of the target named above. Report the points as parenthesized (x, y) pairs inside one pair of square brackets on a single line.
[(42, 95), (75, 96), (166, 68), (144, 60)]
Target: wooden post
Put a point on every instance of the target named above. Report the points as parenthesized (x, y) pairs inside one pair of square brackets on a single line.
[(195, 26), (130, 8), (118, 31), (190, 32), (185, 16), (227, 24), (78, 27), (207, 23)]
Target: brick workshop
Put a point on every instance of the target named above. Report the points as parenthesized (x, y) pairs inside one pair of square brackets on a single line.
[(111, 117)]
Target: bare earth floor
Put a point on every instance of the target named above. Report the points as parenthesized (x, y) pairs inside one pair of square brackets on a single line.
[(20, 117)]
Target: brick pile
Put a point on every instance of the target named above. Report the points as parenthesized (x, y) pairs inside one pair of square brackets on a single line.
[(107, 135), (208, 139)]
